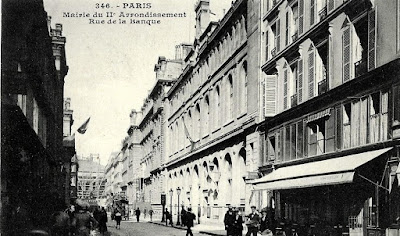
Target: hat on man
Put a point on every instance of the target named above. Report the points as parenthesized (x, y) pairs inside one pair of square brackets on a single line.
[(253, 207)]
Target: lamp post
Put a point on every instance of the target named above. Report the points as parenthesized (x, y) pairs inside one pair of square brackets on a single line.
[(178, 191), (170, 202)]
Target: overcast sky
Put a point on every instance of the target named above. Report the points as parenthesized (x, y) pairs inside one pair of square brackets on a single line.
[(111, 66)]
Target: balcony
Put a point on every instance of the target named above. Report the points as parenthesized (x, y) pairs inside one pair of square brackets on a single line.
[(322, 13), (295, 36), (322, 86), (360, 67), (293, 100), (273, 52)]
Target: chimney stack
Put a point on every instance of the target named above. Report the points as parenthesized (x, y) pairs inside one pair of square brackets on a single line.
[(202, 10)]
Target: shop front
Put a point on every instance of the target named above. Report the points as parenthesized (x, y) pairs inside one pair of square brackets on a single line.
[(349, 195)]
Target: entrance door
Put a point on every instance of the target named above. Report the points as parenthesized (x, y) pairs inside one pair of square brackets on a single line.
[(356, 224)]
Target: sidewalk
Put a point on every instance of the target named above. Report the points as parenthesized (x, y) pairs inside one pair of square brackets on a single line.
[(201, 228)]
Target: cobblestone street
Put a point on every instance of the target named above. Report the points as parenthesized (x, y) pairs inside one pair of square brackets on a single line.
[(145, 229)]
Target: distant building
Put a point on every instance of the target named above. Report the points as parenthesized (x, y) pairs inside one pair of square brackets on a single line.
[(32, 87), (91, 178), (70, 163)]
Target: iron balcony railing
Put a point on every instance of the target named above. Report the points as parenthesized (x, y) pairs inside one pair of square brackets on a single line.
[(360, 67)]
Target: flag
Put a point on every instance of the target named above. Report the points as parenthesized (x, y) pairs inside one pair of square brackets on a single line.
[(84, 127), (188, 137), (187, 133)]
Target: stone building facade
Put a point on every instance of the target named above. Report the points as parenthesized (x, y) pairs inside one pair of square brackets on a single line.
[(330, 99), (212, 140), (32, 160)]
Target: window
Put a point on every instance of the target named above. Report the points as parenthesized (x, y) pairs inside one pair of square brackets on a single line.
[(217, 107), (374, 117), (301, 17), (396, 105), (287, 28), (267, 47), (35, 118), (231, 98), (300, 81), (313, 10), (271, 147), (278, 35), (206, 115)]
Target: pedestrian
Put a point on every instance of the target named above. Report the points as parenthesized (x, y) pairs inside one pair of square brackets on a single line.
[(168, 217), (103, 221), (83, 221), (137, 213), (118, 218), (264, 223), (96, 214), (190, 217), (183, 216), (144, 213), (228, 221), (237, 223), (60, 220), (253, 221), (151, 215)]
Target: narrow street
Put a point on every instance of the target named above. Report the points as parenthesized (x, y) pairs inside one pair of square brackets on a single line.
[(145, 229)]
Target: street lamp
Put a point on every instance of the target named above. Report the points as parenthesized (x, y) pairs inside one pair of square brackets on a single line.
[(170, 202), (178, 191)]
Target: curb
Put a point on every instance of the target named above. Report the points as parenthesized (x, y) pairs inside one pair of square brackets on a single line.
[(183, 228)]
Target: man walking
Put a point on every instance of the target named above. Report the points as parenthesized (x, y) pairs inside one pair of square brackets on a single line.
[(151, 215), (228, 221), (253, 221), (137, 213), (190, 217)]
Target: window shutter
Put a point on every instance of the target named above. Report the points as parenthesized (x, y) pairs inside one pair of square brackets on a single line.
[(263, 88), (339, 124), (331, 5), (346, 54), (305, 131), (300, 81), (270, 95), (301, 16), (311, 73), (330, 132), (278, 35), (266, 45), (285, 89), (371, 39), (312, 12)]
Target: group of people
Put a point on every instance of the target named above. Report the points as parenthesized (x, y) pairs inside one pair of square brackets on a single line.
[(78, 221), (187, 219), (255, 223)]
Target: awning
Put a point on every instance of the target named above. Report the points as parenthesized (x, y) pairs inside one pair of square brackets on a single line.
[(338, 170)]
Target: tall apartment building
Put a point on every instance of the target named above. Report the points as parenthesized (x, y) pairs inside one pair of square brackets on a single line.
[(330, 98), (212, 138), (32, 85)]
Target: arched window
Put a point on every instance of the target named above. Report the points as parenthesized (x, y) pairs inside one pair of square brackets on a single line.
[(217, 107), (243, 87), (198, 125), (230, 100), (206, 115)]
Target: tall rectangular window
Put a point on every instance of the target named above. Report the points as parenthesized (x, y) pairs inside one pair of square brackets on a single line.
[(287, 28), (300, 139), (278, 35), (285, 88), (374, 117), (312, 12), (396, 105), (346, 125), (271, 147), (293, 140), (311, 73), (266, 45), (301, 17)]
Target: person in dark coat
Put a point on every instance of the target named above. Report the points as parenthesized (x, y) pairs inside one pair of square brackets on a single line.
[(83, 222), (168, 217), (228, 221), (190, 217), (103, 221), (151, 215), (237, 223), (253, 221), (137, 213), (264, 224), (118, 218), (183, 216)]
